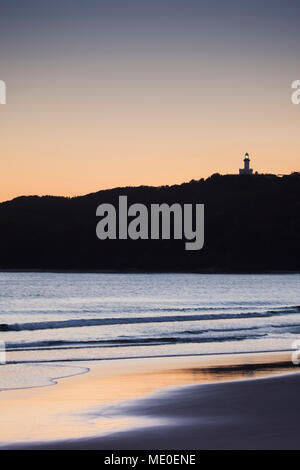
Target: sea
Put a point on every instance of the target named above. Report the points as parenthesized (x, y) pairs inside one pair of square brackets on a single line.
[(51, 317)]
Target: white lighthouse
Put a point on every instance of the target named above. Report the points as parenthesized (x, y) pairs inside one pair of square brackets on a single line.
[(246, 170)]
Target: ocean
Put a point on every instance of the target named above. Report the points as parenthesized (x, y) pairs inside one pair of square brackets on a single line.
[(52, 317)]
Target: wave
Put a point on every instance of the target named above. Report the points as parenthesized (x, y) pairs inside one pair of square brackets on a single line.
[(142, 309), (83, 322), (59, 345)]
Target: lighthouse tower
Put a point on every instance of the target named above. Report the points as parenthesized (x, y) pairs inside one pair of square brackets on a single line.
[(246, 170)]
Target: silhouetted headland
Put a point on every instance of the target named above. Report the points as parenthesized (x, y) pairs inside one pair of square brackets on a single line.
[(252, 224)]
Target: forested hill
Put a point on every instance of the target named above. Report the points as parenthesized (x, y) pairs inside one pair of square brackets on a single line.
[(252, 224)]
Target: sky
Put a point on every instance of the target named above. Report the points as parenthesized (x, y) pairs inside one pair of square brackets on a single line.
[(108, 93)]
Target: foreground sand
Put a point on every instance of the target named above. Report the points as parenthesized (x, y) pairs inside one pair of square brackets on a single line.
[(175, 403)]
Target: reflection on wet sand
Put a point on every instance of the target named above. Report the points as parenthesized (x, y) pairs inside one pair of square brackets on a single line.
[(91, 404)]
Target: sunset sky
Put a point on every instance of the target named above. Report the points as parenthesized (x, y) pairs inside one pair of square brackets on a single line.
[(105, 93)]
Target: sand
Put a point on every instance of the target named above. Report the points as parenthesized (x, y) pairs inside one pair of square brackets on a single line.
[(213, 402)]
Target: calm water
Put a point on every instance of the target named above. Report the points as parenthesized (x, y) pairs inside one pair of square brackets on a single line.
[(50, 317)]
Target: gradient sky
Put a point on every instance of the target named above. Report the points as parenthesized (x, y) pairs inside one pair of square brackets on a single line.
[(105, 93)]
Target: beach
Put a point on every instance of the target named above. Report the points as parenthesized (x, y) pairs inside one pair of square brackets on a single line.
[(149, 228), (194, 402), (148, 361)]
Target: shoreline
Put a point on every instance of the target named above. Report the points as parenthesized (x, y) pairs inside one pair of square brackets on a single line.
[(112, 404), (141, 271), (229, 364), (211, 271)]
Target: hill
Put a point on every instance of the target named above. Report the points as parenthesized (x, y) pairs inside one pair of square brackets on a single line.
[(252, 224)]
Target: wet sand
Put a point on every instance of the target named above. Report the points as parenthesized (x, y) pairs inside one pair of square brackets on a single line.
[(195, 402)]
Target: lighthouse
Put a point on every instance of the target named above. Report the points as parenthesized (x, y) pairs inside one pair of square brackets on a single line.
[(246, 170)]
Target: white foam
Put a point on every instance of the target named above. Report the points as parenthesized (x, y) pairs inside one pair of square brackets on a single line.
[(16, 376)]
